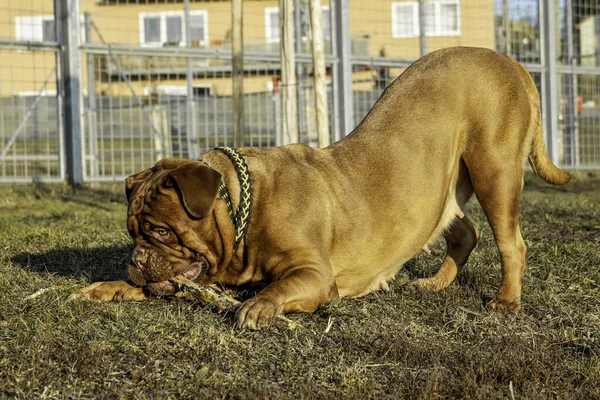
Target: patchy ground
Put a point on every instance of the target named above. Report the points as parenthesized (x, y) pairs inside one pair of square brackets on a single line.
[(386, 345)]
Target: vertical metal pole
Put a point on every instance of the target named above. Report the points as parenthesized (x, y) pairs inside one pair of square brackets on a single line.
[(300, 67), (278, 124), (71, 64), (192, 135), (343, 69), (422, 37), (91, 111), (237, 65), (318, 50), (60, 94), (334, 121), (62, 165), (288, 72), (506, 27), (549, 77), (570, 89)]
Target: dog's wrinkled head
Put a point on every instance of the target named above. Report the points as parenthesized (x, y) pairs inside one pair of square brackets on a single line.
[(169, 205)]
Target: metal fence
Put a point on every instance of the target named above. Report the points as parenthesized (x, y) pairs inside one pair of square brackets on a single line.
[(100, 89)]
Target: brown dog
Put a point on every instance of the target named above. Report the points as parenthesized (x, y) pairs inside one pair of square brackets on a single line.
[(341, 221)]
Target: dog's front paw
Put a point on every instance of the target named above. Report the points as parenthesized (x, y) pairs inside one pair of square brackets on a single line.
[(110, 291), (505, 307), (256, 313)]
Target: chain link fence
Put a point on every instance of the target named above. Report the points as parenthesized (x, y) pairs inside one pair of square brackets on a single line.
[(155, 77)]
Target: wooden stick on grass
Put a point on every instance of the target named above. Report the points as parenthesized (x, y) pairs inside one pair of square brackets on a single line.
[(223, 301)]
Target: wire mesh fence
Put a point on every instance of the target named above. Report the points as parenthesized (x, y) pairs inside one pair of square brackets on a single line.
[(156, 76)]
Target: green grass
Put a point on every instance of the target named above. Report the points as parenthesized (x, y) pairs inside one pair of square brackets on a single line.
[(385, 345)]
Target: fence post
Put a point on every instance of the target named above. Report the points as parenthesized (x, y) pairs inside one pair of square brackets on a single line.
[(319, 74), (237, 66), (570, 90), (278, 124), (71, 63), (506, 26), (288, 72), (299, 30), (192, 135), (549, 77), (91, 110), (162, 140), (422, 37), (343, 69)]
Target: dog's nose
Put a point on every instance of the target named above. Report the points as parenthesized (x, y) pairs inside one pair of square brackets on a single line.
[(139, 257)]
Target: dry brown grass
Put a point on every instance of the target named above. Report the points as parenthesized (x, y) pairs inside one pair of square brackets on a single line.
[(388, 345)]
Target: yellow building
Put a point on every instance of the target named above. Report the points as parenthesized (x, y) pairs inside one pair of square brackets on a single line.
[(378, 27)]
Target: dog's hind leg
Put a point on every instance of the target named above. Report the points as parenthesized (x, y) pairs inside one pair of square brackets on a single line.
[(498, 191), (461, 238)]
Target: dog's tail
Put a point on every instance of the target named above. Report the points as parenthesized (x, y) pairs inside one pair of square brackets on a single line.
[(538, 156), (540, 162)]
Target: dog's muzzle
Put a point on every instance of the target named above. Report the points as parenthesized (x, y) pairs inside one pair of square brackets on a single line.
[(151, 269)]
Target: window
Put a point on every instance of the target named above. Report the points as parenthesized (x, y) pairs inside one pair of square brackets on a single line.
[(405, 19), (272, 24), (442, 18), (39, 28), (272, 30), (448, 19), (197, 28), (326, 23), (174, 29), (168, 28), (151, 29)]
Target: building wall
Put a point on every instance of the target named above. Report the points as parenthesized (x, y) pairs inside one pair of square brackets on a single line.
[(24, 71), (373, 20)]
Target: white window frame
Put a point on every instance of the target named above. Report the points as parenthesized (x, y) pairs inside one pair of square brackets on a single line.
[(395, 23), (437, 31), (37, 23), (33, 22), (162, 15), (268, 26), (438, 19)]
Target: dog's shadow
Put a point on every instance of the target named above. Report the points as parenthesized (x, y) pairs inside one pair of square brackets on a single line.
[(95, 264), (104, 264)]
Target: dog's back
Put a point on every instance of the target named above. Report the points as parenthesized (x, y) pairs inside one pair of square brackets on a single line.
[(458, 120)]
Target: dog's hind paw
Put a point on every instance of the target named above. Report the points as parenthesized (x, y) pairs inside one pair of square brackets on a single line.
[(431, 284)]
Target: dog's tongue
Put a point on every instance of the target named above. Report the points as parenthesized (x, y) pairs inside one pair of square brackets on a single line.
[(166, 288)]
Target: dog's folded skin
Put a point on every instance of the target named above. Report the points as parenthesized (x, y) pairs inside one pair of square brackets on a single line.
[(341, 221)]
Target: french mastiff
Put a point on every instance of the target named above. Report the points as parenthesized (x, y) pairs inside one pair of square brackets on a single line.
[(320, 224)]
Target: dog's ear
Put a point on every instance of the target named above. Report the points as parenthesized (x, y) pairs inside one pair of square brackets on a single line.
[(134, 181), (172, 163), (197, 185)]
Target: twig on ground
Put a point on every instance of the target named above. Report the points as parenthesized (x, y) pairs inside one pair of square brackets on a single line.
[(511, 390), (39, 293), (329, 325), (208, 294), (223, 301)]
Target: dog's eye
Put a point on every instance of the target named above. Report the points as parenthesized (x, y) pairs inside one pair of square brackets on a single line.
[(161, 231)]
